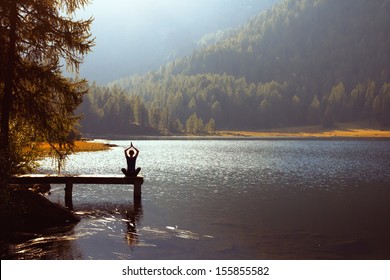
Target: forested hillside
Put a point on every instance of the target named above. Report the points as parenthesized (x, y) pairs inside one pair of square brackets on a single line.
[(303, 62), (137, 36)]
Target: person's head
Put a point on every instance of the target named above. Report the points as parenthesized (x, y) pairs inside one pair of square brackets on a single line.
[(131, 153)]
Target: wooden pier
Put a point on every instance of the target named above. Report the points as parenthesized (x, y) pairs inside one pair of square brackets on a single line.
[(70, 180)]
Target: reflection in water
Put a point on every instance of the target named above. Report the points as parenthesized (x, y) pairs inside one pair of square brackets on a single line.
[(133, 217), (145, 236), (109, 221), (62, 242)]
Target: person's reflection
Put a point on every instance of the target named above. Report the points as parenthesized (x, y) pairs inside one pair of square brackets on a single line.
[(133, 216)]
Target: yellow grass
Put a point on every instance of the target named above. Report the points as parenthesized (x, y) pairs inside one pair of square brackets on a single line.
[(342, 130), (83, 146), (80, 146)]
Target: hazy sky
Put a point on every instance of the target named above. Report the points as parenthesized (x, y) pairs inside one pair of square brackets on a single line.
[(134, 36)]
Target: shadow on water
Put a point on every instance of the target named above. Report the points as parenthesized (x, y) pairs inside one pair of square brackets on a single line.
[(61, 242)]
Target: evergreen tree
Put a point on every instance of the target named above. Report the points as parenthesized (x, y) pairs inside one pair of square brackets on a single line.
[(192, 124), (35, 35), (210, 127)]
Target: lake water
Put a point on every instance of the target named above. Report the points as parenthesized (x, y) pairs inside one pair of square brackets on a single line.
[(226, 199)]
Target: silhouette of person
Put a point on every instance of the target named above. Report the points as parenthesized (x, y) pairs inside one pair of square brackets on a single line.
[(131, 154)]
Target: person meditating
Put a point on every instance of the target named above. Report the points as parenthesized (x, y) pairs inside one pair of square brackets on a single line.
[(131, 154)]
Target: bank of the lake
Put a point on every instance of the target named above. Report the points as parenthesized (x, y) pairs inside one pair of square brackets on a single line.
[(80, 146), (21, 208), (356, 130), (341, 130)]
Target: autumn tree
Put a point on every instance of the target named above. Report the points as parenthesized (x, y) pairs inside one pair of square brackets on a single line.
[(37, 101)]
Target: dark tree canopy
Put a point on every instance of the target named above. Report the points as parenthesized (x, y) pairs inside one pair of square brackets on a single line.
[(37, 101)]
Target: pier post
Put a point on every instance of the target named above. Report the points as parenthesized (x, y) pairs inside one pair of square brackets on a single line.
[(68, 195)]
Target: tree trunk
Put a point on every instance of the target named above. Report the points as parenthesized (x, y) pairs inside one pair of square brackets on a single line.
[(8, 89)]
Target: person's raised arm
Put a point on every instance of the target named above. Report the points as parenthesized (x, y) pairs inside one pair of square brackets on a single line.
[(127, 152), (136, 150)]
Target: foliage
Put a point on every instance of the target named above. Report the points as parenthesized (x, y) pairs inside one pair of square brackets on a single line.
[(37, 101), (303, 62)]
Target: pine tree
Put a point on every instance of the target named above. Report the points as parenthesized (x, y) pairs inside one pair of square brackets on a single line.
[(35, 35), (210, 126), (191, 124)]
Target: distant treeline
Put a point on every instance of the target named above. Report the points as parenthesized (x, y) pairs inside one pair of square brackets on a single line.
[(303, 62)]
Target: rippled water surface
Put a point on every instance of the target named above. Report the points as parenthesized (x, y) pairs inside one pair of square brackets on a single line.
[(227, 199)]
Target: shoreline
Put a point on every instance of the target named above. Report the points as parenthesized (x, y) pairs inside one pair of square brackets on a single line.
[(329, 134), (80, 146), (341, 131)]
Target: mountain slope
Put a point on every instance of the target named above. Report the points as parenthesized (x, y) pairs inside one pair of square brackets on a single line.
[(303, 62), (141, 35), (346, 40)]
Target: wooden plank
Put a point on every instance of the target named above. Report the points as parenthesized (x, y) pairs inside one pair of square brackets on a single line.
[(75, 179), (69, 180)]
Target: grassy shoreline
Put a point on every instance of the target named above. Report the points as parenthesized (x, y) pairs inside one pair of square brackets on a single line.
[(341, 130), (81, 146), (89, 146)]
